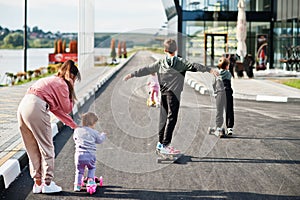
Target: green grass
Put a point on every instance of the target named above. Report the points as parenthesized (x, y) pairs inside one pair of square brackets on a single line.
[(292, 83)]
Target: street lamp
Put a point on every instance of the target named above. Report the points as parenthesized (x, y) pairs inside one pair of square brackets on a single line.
[(25, 37)]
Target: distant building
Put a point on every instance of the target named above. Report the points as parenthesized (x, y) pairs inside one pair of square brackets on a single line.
[(211, 25)]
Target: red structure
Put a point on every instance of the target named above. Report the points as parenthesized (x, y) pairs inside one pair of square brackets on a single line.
[(60, 54)]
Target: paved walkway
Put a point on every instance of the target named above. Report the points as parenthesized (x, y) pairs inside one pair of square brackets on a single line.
[(11, 148)]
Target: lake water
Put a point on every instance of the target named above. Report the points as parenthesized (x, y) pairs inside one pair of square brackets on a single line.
[(13, 60)]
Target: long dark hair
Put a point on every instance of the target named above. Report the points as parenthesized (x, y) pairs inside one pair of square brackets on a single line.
[(67, 71)]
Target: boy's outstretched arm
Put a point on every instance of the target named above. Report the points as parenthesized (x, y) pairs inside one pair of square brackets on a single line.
[(128, 76), (214, 72)]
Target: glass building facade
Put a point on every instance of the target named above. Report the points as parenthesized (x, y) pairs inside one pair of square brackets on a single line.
[(209, 29)]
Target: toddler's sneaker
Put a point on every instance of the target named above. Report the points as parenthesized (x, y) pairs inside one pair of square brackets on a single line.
[(37, 188), (52, 188), (229, 131), (77, 188)]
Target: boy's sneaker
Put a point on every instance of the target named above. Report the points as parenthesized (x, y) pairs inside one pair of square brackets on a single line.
[(77, 188), (159, 146), (52, 188), (166, 149), (37, 188), (229, 131), (169, 150)]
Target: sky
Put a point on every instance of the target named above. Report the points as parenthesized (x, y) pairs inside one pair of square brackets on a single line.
[(62, 15)]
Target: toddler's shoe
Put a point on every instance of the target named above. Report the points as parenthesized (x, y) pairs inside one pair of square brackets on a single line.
[(51, 188), (37, 188), (77, 188)]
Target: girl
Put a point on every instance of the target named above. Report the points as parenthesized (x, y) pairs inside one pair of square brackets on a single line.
[(86, 138)]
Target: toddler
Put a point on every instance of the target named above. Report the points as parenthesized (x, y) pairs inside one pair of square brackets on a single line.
[(86, 138), (154, 89)]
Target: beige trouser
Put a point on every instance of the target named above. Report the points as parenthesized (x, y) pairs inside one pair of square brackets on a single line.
[(35, 127)]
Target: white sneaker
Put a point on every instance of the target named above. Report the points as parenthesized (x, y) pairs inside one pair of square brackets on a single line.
[(229, 131), (169, 150), (37, 188), (52, 188)]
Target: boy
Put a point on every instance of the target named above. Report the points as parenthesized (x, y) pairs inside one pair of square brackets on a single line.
[(171, 72)]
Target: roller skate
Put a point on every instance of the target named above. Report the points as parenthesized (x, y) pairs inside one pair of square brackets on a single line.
[(99, 181), (91, 186)]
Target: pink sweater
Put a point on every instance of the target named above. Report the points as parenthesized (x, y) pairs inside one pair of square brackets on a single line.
[(55, 92)]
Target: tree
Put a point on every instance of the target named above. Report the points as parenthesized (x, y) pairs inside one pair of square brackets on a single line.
[(14, 39)]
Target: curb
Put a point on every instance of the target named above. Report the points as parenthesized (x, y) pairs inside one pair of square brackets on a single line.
[(11, 168)]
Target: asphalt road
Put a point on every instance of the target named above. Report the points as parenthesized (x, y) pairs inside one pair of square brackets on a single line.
[(260, 161)]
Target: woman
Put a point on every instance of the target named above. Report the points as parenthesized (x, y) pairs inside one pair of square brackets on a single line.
[(55, 94)]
